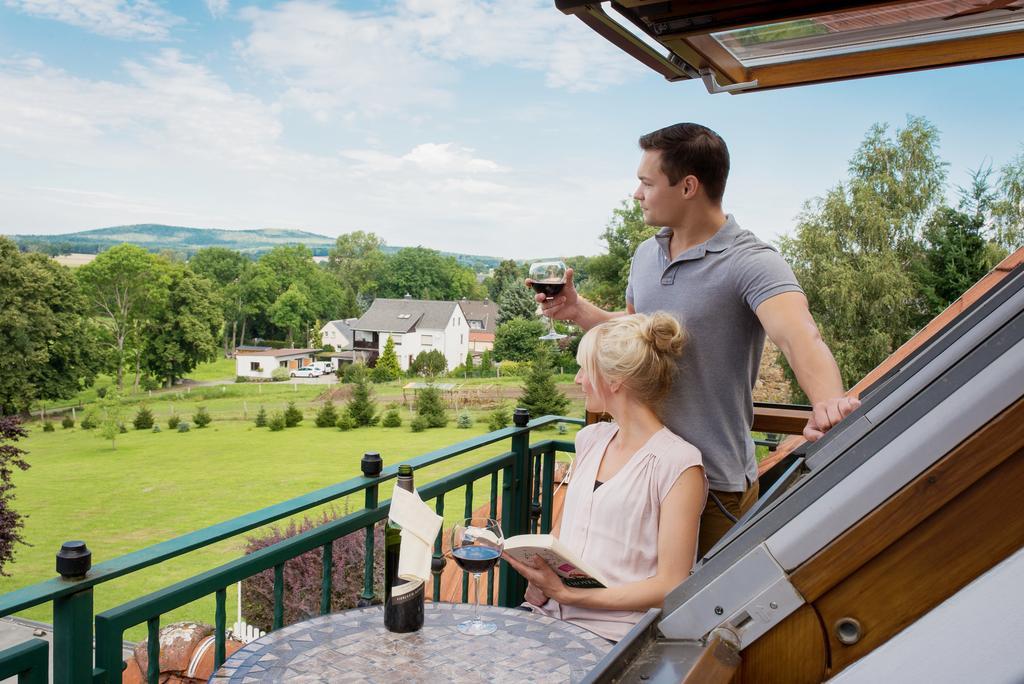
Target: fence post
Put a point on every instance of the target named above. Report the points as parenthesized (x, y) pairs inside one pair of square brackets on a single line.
[(72, 619), (516, 517)]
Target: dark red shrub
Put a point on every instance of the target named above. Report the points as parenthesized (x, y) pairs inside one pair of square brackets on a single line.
[(302, 575)]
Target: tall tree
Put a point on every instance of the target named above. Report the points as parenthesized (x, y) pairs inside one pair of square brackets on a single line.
[(607, 274), (290, 312), (118, 285), (1008, 206), (11, 457), (183, 326), (853, 250), (426, 274), (357, 261), (517, 340), (226, 269), (508, 274), (50, 346), (517, 302)]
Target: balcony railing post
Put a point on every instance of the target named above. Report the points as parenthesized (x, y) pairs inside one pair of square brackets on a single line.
[(72, 618), (512, 585)]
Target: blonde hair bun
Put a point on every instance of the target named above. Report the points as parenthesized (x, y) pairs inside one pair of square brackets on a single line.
[(664, 333), (638, 352)]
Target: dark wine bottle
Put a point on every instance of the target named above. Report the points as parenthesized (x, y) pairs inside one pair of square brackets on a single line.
[(405, 612)]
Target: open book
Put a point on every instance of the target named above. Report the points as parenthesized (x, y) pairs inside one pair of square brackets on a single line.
[(574, 573)]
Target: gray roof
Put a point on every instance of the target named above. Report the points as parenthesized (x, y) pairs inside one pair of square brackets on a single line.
[(344, 326), (405, 315), (484, 311)]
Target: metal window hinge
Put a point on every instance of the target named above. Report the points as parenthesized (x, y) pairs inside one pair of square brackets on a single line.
[(707, 74)]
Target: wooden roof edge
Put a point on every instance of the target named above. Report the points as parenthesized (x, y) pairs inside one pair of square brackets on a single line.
[(973, 294)]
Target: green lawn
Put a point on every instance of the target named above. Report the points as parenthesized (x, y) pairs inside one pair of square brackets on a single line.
[(155, 486)]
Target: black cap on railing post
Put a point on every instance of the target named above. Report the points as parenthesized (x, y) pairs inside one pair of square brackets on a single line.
[(371, 464), (521, 417), (73, 560)]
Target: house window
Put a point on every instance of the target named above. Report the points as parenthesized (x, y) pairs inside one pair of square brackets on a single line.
[(363, 336), (255, 366), (283, 364), (427, 340), (460, 339), (476, 325), (397, 339)]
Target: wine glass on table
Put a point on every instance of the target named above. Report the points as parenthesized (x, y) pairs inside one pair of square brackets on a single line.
[(548, 278), (477, 544)]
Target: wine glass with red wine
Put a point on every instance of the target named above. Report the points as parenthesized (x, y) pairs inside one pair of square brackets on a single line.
[(548, 278), (477, 544)]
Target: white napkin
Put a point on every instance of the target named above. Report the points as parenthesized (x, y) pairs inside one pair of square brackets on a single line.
[(420, 526)]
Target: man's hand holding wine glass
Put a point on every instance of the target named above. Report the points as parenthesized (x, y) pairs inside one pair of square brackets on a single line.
[(562, 306)]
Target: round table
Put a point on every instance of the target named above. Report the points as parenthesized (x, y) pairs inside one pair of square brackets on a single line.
[(353, 646)]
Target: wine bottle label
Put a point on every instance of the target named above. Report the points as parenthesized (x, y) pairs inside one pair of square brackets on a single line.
[(406, 592)]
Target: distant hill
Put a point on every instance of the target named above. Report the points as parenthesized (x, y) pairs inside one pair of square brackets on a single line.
[(185, 240)]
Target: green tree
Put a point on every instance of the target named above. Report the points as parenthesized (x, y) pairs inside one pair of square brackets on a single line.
[(517, 303), (290, 311), (292, 415), (143, 419), (349, 306), (608, 274), (426, 274), (429, 363), (327, 416), (202, 417), (110, 422), (430, 406), (507, 275), (11, 457), (387, 367), (361, 407), (261, 417), (540, 395), (118, 286), (517, 340), (469, 362), (853, 250), (485, 362), (50, 346), (955, 252), (1008, 205), (227, 269), (183, 325), (357, 261)]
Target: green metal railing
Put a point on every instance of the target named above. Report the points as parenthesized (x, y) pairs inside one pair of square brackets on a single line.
[(526, 475)]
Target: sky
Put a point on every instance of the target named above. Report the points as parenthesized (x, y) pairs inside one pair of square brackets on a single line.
[(500, 128)]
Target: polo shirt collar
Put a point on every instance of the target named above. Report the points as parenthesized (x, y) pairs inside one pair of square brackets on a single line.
[(719, 242)]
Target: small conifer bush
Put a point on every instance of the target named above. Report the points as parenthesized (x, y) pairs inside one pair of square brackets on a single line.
[(261, 417), (345, 422), (90, 421), (172, 422), (156, 428), (67, 422), (201, 417), (327, 416), (392, 419), (465, 420), (498, 419), (292, 415), (48, 426), (276, 422), (143, 419), (183, 426), (419, 424)]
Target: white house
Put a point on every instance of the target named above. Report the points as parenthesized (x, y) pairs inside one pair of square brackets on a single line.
[(260, 362), (415, 325), (338, 334)]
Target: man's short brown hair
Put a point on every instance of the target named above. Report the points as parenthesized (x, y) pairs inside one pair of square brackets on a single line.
[(689, 149)]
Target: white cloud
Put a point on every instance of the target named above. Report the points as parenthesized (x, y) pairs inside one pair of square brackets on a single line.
[(447, 158), (137, 19), (327, 59), (217, 8)]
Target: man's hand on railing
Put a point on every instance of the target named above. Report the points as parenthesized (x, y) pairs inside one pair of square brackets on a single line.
[(825, 414)]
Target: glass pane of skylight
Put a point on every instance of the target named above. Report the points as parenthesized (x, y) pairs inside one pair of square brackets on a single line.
[(870, 29)]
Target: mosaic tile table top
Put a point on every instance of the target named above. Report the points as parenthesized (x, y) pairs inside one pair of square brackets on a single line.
[(353, 646)]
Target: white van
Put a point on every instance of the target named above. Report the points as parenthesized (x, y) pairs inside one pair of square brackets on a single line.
[(324, 367)]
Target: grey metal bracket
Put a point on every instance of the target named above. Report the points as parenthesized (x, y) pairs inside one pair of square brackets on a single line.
[(707, 74)]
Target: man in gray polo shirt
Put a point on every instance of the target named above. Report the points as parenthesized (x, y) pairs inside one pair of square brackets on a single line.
[(728, 289)]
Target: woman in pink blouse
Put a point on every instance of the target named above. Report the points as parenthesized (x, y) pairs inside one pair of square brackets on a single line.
[(636, 491)]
